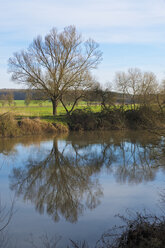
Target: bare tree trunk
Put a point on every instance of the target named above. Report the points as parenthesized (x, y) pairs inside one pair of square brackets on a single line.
[(159, 104), (123, 99), (134, 103), (72, 108), (54, 103), (67, 111), (123, 102)]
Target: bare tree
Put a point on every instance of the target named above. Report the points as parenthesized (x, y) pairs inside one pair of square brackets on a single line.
[(3, 99), (148, 88), (121, 82), (140, 86), (5, 218), (75, 94), (60, 62), (28, 98), (161, 96), (10, 98), (134, 83), (105, 95)]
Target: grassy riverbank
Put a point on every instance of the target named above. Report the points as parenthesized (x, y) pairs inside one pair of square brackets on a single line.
[(12, 127), (117, 119), (83, 118)]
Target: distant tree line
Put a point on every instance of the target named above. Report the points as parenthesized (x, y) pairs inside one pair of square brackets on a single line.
[(17, 94), (90, 96)]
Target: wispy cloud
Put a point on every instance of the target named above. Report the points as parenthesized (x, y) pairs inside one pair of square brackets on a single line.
[(28, 18), (107, 21)]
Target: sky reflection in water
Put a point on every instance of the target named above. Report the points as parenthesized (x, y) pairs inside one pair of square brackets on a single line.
[(74, 185)]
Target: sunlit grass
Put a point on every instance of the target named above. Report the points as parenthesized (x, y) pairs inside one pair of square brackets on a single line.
[(43, 109)]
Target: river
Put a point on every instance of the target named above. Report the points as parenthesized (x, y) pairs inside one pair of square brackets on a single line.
[(72, 186)]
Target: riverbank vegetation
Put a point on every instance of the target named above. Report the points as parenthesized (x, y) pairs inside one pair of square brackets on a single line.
[(141, 231), (116, 119), (138, 231), (58, 74), (83, 118), (10, 127)]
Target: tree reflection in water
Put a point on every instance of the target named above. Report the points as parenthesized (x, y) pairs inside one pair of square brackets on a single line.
[(139, 159), (132, 157), (59, 184), (65, 182)]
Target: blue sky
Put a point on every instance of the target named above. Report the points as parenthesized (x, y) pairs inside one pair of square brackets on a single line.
[(131, 33)]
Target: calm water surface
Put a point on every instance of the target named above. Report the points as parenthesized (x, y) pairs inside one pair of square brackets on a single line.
[(72, 186)]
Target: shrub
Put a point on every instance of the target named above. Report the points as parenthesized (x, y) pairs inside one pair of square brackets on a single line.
[(8, 126), (61, 127), (36, 126), (111, 119), (82, 119), (143, 231), (143, 118)]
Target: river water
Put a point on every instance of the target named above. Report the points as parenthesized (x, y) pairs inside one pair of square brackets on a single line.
[(72, 186)]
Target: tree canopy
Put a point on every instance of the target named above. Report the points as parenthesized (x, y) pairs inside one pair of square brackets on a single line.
[(60, 62)]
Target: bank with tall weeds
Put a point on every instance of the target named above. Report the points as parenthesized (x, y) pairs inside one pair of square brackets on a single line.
[(10, 127), (142, 118)]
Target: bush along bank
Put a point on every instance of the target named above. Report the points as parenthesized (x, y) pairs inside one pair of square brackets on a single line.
[(9, 127), (138, 231), (142, 118), (116, 119)]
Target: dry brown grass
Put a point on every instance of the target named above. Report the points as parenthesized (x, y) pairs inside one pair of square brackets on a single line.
[(36, 126), (9, 127), (61, 128)]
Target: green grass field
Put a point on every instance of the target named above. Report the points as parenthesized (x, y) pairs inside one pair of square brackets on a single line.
[(44, 109), (41, 109)]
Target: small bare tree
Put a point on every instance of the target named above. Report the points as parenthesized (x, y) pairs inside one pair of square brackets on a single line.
[(105, 95), (5, 218), (140, 86), (3, 100), (76, 93), (148, 88), (10, 98), (161, 96), (121, 82), (28, 98), (60, 62)]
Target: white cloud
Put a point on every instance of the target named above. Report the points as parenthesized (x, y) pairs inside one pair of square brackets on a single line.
[(30, 18), (107, 21)]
